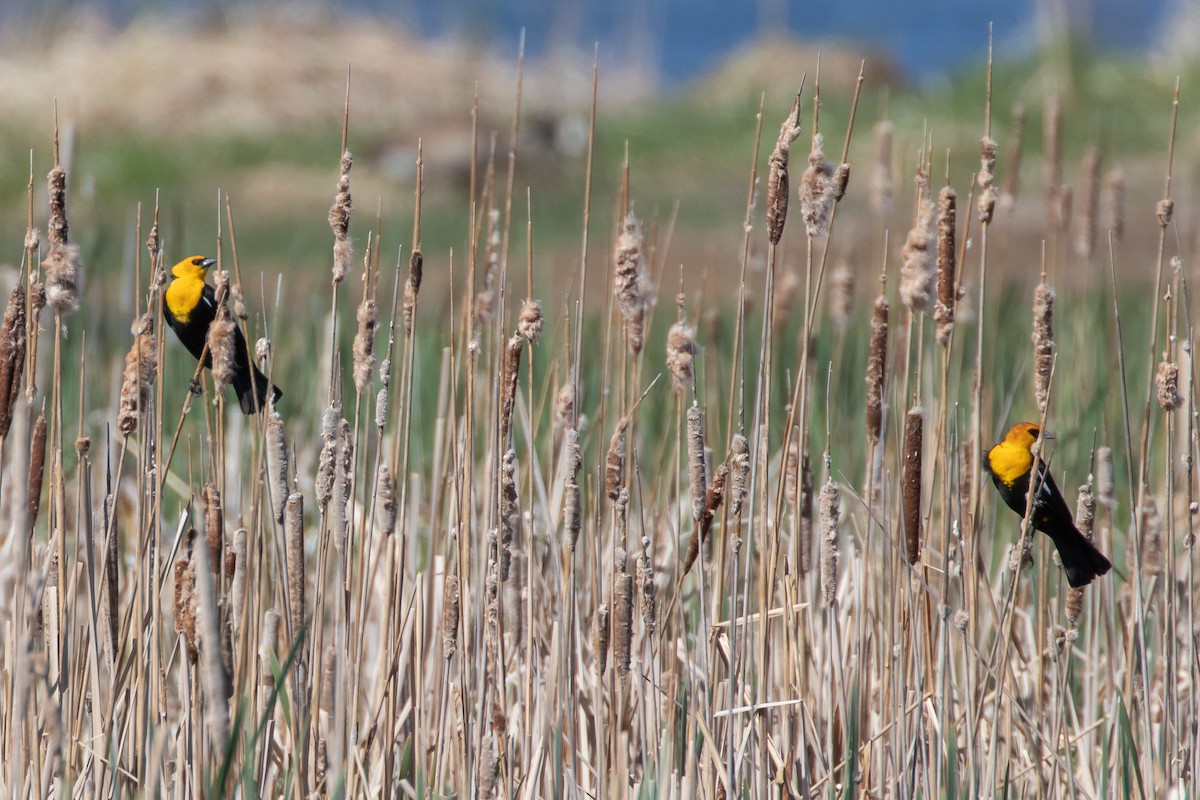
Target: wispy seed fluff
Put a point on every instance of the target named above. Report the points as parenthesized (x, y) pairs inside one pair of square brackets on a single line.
[(1167, 382), (739, 464), (778, 182), (221, 343), (917, 268), (987, 179), (1043, 341), (947, 256), (339, 221), (697, 479), (630, 283), (881, 170), (681, 355), (831, 498), (12, 355), (364, 345), (62, 265), (564, 406), (531, 322), (819, 189)]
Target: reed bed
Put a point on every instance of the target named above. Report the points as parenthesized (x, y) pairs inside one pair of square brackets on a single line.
[(515, 545)]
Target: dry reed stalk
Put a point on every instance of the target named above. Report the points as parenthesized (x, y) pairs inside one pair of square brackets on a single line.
[(510, 513), (572, 512), (530, 323), (778, 182), (1085, 521), (910, 481), (1089, 201), (830, 515), (268, 645), (614, 461), (339, 221), (364, 344), (1010, 189), (293, 537), (631, 284), (141, 370), (1114, 203), (237, 587), (412, 287), (622, 615), (12, 354), (739, 467), (880, 194), (64, 272), (681, 354), (450, 609), (947, 254), (697, 478), (508, 390), (185, 607), (646, 587), (277, 463), (1043, 341), (986, 180), (37, 468), (385, 500), (712, 504), (214, 526), (600, 640), (917, 268), (876, 369), (1106, 492), (223, 345)]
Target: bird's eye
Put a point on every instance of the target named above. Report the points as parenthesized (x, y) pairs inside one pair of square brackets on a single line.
[(1035, 432)]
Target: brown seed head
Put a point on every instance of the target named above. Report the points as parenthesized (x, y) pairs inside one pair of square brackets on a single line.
[(1043, 341), (778, 182), (876, 367), (947, 256), (681, 354), (830, 515), (914, 437)]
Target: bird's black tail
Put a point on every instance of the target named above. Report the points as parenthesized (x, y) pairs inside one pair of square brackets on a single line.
[(1081, 559), (253, 389)]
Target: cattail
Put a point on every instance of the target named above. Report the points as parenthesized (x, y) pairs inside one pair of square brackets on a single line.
[(339, 221), (572, 514), (62, 265), (917, 270), (712, 503), (830, 501), (412, 287), (818, 191), (1043, 341), (1089, 201), (37, 467), (646, 587), (345, 485), (1105, 478), (564, 406), (1114, 203), (697, 480), (277, 464), (804, 535), (185, 607), (237, 587), (986, 180), (622, 616), (510, 512), (364, 345), (880, 194), (600, 639), (778, 182), (631, 285), (267, 646), (327, 461), (1152, 539), (485, 300), (1011, 187), (681, 354), (841, 294), (293, 535), (1057, 196), (214, 527), (213, 673), (531, 322), (12, 355), (385, 499), (614, 461), (262, 349), (947, 255), (222, 344), (450, 608), (1164, 211), (876, 369), (739, 467), (512, 365), (1085, 521), (137, 383), (1167, 381), (914, 437)]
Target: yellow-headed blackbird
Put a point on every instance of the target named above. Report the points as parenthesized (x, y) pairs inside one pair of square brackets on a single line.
[(190, 305), (1011, 462)]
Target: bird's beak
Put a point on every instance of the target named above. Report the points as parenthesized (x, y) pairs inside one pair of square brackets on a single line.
[(208, 262), (1047, 435)]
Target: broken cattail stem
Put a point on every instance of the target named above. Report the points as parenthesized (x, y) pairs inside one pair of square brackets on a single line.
[(1085, 521), (600, 640), (339, 221), (1043, 341), (778, 182), (947, 255), (914, 437), (876, 369), (450, 609), (293, 535), (830, 514), (697, 480), (37, 468)]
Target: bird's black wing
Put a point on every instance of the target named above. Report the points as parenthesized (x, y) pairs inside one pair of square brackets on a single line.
[(1050, 507)]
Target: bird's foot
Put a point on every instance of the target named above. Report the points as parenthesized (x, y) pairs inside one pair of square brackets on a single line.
[(196, 387)]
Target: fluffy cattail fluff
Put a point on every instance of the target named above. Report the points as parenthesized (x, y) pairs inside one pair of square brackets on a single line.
[(697, 479), (739, 468), (630, 283), (572, 513), (237, 588), (600, 639), (37, 467), (712, 503), (412, 287), (1011, 187), (339, 221), (778, 182), (531, 322), (623, 616), (1089, 201), (222, 344), (914, 438), (681, 355), (62, 265), (1164, 210), (614, 461), (876, 369), (1152, 539), (1167, 382), (1085, 521), (137, 383), (564, 406), (947, 256), (917, 268), (450, 608), (1043, 341), (819, 189), (185, 607), (1105, 478), (364, 345), (267, 646), (646, 588), (12, 355), (385, 500), (214, 526), (508, 389), (830, 514), (277, 464), (987, 179), (293, 537), (841, 294), (881, 171), (1114, 203)]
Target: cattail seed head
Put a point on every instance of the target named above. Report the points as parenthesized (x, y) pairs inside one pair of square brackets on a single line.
[(12, 355), (830, 514), (223, 346), (712, 503), (64, 275), (1167, 382), (614, 461), (986, 180), (141, 369), (917, 268), (1043, 341), (339, 221), (262, 349), (646, 588), (510, 512), (214, 525), (1089, 201), (37, 467), (572, 512), (385, 500), (600, 640), (631, 285), (881, 172), (818, 191), (739, 467), (277, 463), (381, 408), (564, 406), (947, 256), (412, 287), (1085, 521), (1152, 538), (531, 322), (1106, 492), (450, 609), (185, 607), (778, 182), (56, 189), (1164, 210), (293, 537), (681, 354), (237, 587), (697, 479), (914, 438), (876, 369), (364, 345), (623, 617), (512, 365), (268, 645), (1114, 203)]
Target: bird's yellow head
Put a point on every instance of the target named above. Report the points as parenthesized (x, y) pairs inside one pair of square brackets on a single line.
[(1024, 434), (193, 267)]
